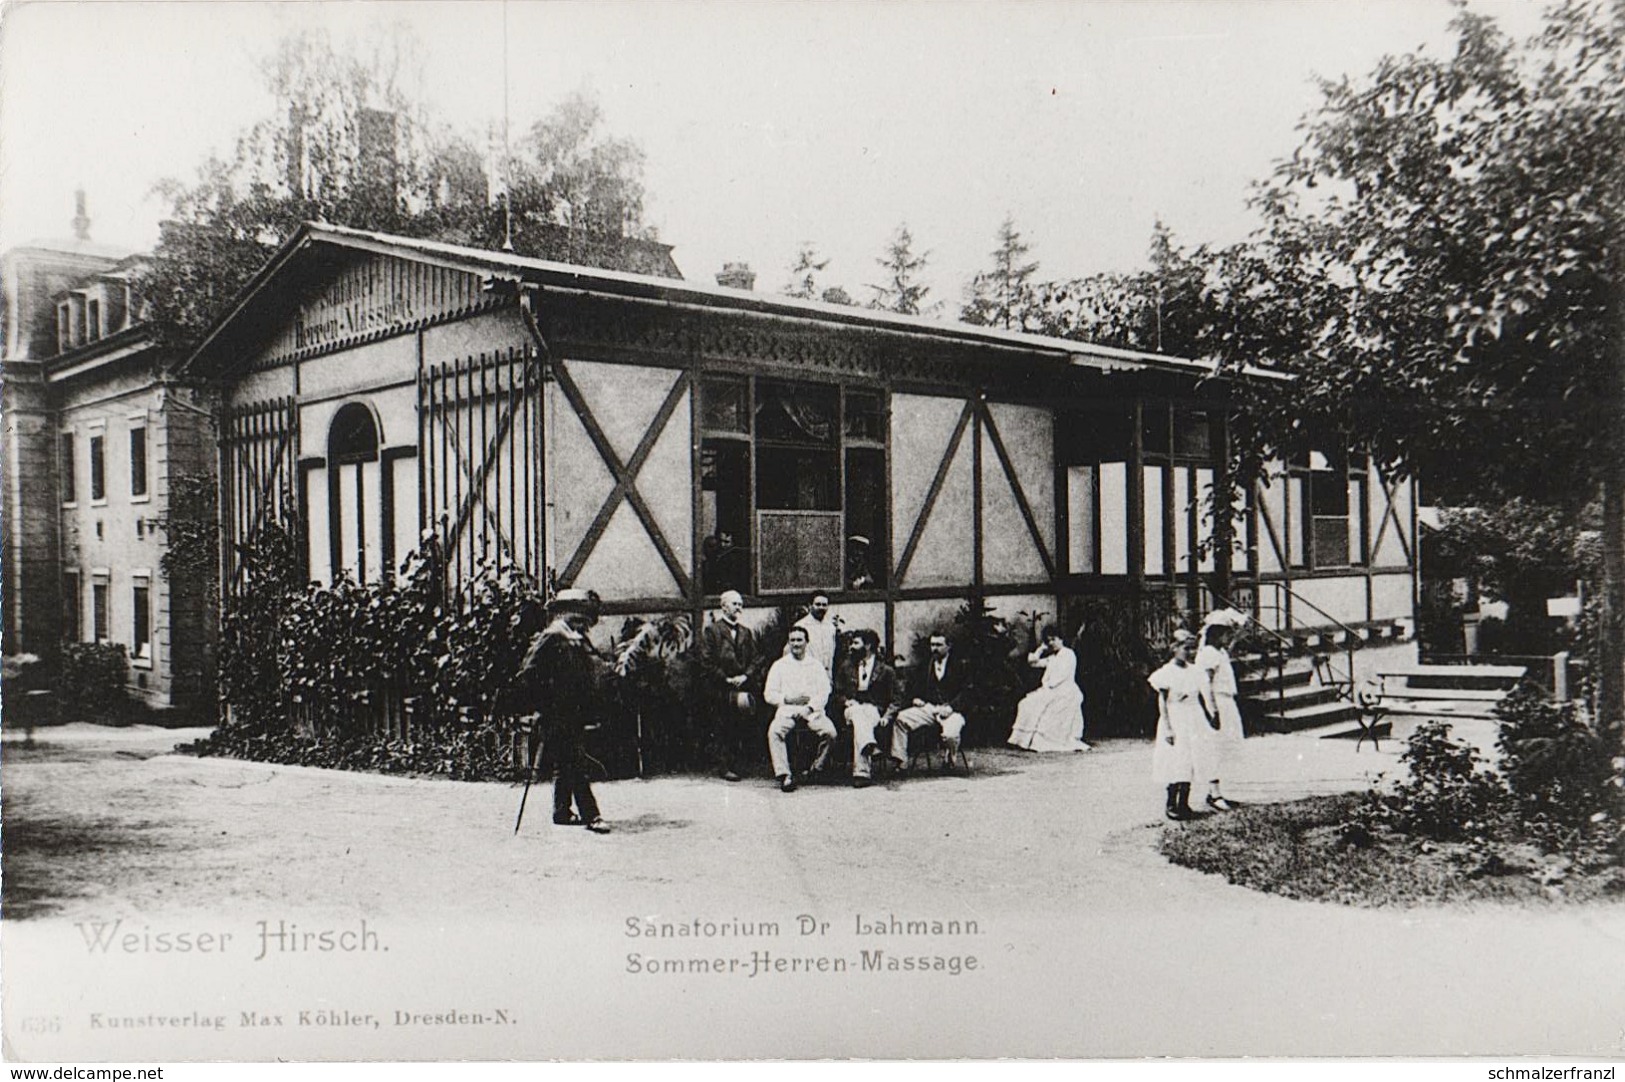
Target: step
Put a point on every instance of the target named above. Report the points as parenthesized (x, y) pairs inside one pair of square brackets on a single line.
[(1309, 717), (1289, 697), (1349, 730), (1267, 681), (1447, 676), (1485, 695), (1440, 708)]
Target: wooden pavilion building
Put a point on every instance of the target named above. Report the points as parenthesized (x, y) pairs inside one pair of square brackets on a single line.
[(661, 441)]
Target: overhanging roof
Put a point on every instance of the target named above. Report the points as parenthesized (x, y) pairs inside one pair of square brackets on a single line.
[(564, 277), (136, 341)]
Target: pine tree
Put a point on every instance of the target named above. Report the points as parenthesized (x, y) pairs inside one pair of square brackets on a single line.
[(1003, 297), (804, 273), (902, 291)]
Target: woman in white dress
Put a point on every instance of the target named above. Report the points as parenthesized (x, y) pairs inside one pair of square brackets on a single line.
[(1213, 660), (1050, 718), (1182, 722)]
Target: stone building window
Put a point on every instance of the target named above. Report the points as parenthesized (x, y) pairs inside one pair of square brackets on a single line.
[(99, 619), (98, 470), (138, 461), (67, 469), (72, 629), (141, 621)]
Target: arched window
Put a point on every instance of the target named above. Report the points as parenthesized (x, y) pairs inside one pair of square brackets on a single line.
[(354, 494), (353, 436)]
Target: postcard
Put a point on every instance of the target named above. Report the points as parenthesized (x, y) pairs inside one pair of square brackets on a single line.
[(629, 531)]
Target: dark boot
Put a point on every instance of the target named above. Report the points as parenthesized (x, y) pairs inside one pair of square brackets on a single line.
[(1172, 810), (1183, 798)]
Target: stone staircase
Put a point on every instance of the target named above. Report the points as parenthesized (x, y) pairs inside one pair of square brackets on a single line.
[(1298, 697), (1293, 699)]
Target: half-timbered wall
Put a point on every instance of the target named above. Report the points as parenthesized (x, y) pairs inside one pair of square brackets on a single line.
[(933, 491), (1345, 551), (619, 478), (973, 492)]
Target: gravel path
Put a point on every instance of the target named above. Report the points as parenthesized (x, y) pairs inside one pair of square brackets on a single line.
[(1087, 942)]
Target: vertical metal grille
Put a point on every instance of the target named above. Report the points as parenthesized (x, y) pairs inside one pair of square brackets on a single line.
[(481, 451)]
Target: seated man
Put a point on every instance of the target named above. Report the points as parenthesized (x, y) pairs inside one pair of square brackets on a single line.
[(867, 688), (798, 689), (936, 686)]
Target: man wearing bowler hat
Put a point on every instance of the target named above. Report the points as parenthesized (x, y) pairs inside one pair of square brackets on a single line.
[(559, 672)]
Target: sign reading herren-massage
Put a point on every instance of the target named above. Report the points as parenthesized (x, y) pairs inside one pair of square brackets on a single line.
[(374, 298), (334, 317)]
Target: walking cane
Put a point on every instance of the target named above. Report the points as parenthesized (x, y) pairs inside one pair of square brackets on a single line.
[(530, 776)]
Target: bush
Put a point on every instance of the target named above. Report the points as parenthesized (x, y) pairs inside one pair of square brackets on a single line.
[(91, 683), (1115, 644), (1446, 797), (1562, 775), (466, 754)]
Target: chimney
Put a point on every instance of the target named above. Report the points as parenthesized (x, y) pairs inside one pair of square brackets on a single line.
[(737, 276), (81, 221)]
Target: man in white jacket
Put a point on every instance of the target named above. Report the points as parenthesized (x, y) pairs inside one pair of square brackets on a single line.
[(798, 690)]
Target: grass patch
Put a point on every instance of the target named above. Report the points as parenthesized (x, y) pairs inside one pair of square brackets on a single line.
[(1317, 849)]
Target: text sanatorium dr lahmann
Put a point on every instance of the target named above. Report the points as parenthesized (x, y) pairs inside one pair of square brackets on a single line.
[(757, 963)]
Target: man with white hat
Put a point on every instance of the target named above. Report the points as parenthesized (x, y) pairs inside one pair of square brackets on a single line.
[(558, 670)]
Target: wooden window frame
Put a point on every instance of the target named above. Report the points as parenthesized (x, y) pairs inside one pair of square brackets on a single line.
[(840, 446)]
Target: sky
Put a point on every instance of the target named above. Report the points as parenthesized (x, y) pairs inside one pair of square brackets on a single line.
[(765, 125)]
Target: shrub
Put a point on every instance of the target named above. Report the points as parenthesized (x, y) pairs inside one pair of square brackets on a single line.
[(1446, 796), (1562, 774), (91, 684), (1115, 644)]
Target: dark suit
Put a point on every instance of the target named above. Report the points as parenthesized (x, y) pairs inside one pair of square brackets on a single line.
[(935, 691), (559, 675), (726, 651), (866, 708)]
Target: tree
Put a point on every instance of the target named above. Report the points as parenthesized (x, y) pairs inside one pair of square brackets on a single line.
[(901, 291), (804, 272), (1442, 262), (576, 175), (1003, 296), (350, 141), (1167, 308), (1522, 552)]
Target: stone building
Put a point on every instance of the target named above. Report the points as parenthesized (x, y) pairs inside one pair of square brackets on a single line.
[(100, 439)]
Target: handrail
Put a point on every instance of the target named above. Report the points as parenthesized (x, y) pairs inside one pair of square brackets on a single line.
[(1287, 587), (1285, 645), (1229, 604), (1350, 635)]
